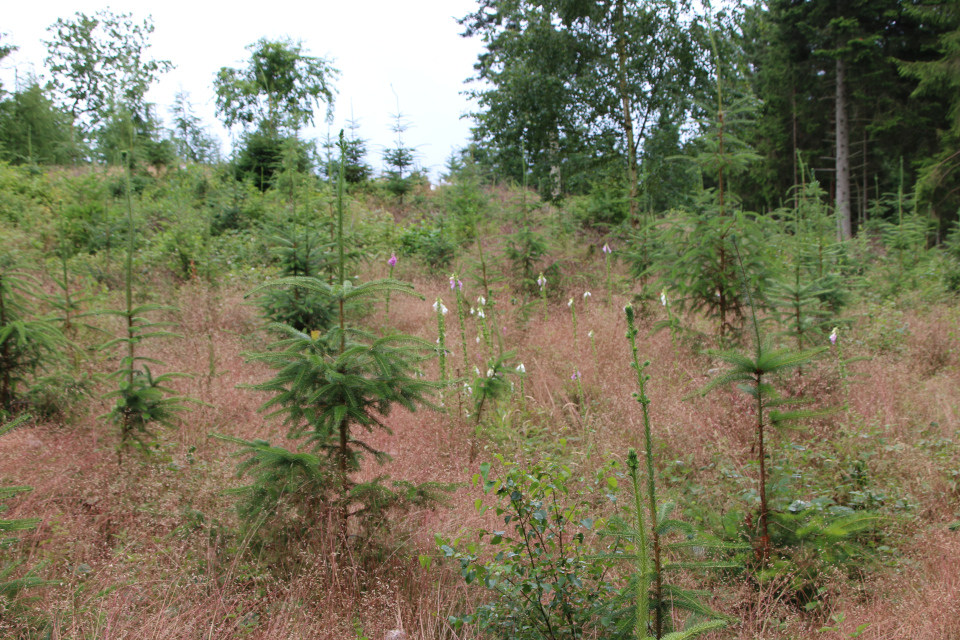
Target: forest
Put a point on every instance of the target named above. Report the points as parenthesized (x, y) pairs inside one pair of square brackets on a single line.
[(668, 349)]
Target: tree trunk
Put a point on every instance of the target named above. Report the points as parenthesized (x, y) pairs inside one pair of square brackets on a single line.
[(627, 117), (844, 230)]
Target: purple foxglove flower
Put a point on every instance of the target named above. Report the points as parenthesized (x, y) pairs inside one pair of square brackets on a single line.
[(393, 260)]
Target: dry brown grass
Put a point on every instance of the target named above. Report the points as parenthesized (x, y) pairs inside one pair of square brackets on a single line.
[(136, 561)]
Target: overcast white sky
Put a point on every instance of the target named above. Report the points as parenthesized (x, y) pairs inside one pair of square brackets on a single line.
[(415, 46)]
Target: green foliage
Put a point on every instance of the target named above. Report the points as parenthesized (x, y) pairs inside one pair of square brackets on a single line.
[(301, 251), (192, 140), (101, 72), (33, 130), (430, 244), (643, 608), (330, 386), (697, 262), (141, 397), (26, 345), (526, 250), (277, 90), (755, 371), (402, 175), (538, 568), (11, 586)]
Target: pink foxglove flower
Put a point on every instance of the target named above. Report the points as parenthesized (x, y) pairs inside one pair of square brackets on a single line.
[(833, 335), (541, 281), (575, 376), (606, 249), (393, 260)]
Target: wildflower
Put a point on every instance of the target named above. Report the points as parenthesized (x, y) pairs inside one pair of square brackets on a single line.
[(575, 376), (521, 368), (478, 339), (541, 281), (438, 305), (591, 333), (489, 373), (453, 281), (393, 260), (480, 313), (482, 301), (471, 310), (570, 302), (476, 369), (587, 294), (663, 297), (833, 335), (460, 284), (606, 249)]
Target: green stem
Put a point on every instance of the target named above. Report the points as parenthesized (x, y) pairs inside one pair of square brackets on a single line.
[(644, 401)]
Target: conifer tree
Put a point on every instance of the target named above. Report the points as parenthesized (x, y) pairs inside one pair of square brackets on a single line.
[(332, 386), (26, 345), (141, 397)]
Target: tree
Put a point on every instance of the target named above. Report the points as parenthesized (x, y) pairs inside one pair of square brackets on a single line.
[(580, 84), (334, 385), (190, 137), (401, 174), (356, 170), (278, 89), (939, 180), (99, 65), (33, 130), (270, 99), (793, 49)]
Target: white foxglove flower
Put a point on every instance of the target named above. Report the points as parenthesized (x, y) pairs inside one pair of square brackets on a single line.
[(480, 313), (586, 294), (663, 297), (478, 339), (591, 333), (489, 373), (476, 369), (482, 301), (521, 368), (570, 302), (541, 281)]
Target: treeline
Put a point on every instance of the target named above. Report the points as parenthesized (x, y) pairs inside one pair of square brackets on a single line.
[(608, 98), (613, 100), (94, 110)]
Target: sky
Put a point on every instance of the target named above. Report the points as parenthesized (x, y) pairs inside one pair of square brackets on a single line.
[(385, 50)]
